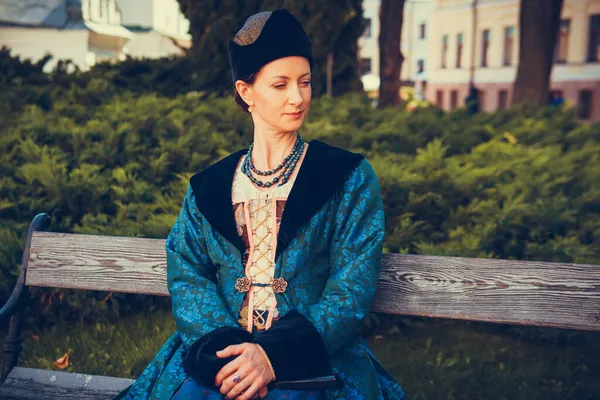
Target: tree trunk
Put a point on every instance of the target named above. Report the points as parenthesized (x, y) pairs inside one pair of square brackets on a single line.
[(538, 32), (390, 56)]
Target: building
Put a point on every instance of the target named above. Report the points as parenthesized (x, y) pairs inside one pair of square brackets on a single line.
[(84, 32), (368, 45), (414, 44), (91, 31), (575, 75), (160, 28)]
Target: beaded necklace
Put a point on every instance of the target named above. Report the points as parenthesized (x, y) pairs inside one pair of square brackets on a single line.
[(286, 167)]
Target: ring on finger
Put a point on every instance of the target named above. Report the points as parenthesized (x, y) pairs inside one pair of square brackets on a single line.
[(236, 379), (240, 388)]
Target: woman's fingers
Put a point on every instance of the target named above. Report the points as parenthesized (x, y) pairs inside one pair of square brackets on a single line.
[(228, 370), (239, 389), (263, 392), (230, 382), (233, 350), (247, 395)]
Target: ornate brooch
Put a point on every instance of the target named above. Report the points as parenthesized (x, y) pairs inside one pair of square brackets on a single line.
[(242, 284), (279, 285)]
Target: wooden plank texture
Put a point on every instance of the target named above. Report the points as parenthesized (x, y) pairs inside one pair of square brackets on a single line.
[(28, 383), (508, 291), (94, 262)]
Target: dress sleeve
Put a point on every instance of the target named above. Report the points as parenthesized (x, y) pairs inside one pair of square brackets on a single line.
[(356, 247), (311, 338), (197, 305)]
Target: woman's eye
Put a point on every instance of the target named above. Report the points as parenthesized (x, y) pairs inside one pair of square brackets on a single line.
[(279, 86), (306, 83)]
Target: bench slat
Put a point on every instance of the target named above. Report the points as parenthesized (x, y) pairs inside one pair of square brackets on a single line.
[(507, 291), (490, 290), (95, 262), (29, 383)]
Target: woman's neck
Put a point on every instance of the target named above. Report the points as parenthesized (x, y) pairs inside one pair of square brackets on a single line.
[(270, 149)]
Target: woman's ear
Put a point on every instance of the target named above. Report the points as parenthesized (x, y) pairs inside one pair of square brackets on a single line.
[(245, 92)]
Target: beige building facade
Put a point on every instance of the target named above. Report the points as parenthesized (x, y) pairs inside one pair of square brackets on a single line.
[(575, 75)]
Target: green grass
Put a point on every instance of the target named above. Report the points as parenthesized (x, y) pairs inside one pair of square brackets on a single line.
[(122, 349), (432, 359), (445, 359)]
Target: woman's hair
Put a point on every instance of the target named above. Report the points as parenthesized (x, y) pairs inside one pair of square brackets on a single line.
[(245, 36)]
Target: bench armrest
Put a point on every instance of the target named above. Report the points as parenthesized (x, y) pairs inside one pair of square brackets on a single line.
[(13, 307), (20, 290)]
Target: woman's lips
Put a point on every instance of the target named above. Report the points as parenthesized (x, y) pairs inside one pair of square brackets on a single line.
[(295, 115)]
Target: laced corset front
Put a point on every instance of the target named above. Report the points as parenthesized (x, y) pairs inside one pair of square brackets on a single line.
[(258, 215)]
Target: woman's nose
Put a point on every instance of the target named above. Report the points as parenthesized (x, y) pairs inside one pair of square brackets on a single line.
[(296, 95)]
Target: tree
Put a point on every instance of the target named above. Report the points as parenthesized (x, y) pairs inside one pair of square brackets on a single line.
[(333, 26), (538, 32), (390, 56), (212, 24)]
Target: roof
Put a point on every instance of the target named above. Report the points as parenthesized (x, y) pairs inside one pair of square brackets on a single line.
[(33, 13), (108, 29), (53, 14)]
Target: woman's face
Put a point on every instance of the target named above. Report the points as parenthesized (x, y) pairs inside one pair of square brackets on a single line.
[(281, 94)]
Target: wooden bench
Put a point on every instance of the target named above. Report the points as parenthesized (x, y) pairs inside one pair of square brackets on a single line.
[(503, 291)]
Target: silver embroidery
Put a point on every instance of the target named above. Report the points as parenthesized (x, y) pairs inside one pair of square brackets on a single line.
[(252, 28)]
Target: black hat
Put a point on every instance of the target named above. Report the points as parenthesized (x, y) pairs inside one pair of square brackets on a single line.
[(281, 36)]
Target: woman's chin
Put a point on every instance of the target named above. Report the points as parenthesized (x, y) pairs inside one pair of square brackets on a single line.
[(293, 126)]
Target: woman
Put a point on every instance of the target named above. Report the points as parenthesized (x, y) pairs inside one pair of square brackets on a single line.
[(272, 263)]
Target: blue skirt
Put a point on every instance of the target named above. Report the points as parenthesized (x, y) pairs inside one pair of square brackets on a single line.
[(190, 389)]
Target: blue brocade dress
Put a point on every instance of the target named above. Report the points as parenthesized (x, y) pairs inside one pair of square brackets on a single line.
[(258, 215)]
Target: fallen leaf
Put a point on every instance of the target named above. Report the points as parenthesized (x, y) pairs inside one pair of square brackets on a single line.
[(62, 362)]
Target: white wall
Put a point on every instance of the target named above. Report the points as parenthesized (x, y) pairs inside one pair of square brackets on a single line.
[(413, 47), (161, 15), (102, 11), (151, 44), (168, 19), (136, 12), (35, 43), (369, 46)]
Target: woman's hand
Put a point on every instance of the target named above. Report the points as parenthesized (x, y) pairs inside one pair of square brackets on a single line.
[(247, 376)]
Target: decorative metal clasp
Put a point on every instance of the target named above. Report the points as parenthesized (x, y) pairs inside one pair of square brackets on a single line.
[(242, 284), (279, 285)]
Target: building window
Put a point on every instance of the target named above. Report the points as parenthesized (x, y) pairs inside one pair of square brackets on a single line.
[(444, 50), (453, 99), (367, 31), (509, 42), (594, 39), (485, 45), (459, 49), (420, 66), (562, 45), (422, 31), (365, 66), (503, 99), (585, 104), (439, 98)]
